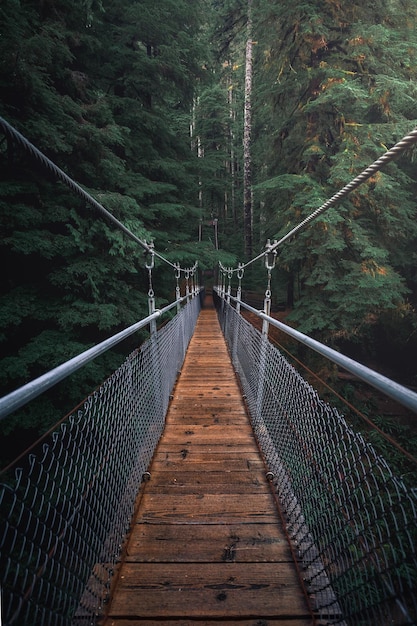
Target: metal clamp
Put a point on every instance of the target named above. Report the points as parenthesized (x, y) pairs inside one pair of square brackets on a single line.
[(270, 256), (151, 265)]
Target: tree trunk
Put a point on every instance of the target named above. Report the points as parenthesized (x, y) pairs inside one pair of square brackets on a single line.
[(232, 164), (247, 130)]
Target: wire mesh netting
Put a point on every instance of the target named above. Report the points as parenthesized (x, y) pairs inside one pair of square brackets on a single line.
[(353, 522), (66, 510)]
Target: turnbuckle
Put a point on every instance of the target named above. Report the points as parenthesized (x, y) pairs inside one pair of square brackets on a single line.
[(270, 256)]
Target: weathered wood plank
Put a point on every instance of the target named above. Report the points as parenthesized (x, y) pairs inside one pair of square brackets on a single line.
[(206, 508), (216, 462), (201, 432), (212, 590), (209, 435), (203, 622), (207, 546), (183, 418), (240, 543), (244, 455), (181, 483)]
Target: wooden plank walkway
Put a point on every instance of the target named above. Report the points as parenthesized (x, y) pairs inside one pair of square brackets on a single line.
[(207, 545)]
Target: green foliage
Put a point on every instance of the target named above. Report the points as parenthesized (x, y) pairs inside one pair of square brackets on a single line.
[(105, 90), (336, 87), (108, 91)]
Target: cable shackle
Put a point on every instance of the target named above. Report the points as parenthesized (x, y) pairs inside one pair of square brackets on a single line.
[(187, 282), (177, 285), (229, 283), (224, 281), (149, 265), (150, 252), (270, 255)]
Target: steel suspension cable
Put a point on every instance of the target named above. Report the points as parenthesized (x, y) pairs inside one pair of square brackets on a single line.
[(406, 142), (400, 147), (15, 135)]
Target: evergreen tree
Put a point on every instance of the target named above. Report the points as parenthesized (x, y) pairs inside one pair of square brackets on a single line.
[(105, 91), (336, 86), (223, 166), (247, 139)]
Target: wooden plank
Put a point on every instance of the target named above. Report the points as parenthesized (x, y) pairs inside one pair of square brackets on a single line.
[(209, 435), (214, 431), (187, 457), (225, 444), (195, 454), (182, 418), (205, 406), (241, 543), (207, 590), (181, 483), (207, 546), (206, 508), (221, 622)]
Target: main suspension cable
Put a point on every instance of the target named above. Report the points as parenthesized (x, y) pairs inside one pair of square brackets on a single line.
[(400, 147), (15, 135)]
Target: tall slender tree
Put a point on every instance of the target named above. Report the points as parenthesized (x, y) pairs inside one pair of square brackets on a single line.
[(106, 91), (247, 136), (336, 86)]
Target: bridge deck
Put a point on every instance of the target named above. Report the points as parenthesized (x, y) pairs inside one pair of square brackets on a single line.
[(207, 545)]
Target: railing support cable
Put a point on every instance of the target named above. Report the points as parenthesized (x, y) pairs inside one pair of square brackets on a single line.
[(394, 390), (18, 398)]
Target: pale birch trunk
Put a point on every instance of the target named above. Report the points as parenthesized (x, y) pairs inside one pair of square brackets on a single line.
[(247, 131), (232, 166)]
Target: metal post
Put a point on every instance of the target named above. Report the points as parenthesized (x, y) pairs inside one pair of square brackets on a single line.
[(151, 295), (229, 286), (270, 259), (177, 288)]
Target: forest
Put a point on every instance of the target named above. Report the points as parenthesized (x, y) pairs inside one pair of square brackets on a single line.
[(207, 127)]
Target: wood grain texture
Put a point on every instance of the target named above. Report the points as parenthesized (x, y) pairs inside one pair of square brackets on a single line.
[(212, 622), (212, 589), (207, 545)]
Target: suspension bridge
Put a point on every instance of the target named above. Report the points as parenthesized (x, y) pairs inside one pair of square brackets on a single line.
[(206, 481)]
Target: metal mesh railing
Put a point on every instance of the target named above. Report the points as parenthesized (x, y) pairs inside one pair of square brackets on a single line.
[(66, 510), (353, 522)]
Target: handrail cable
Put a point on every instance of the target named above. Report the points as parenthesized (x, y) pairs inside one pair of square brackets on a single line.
[(394, 390), (21, 396), (406, 142), (350, 406), (10, 131)]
